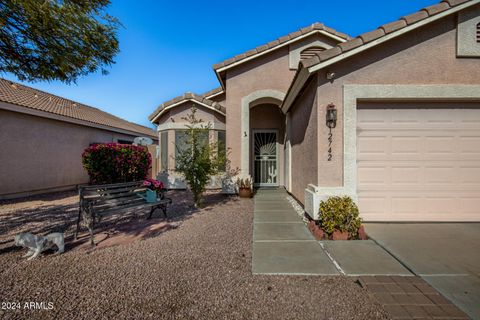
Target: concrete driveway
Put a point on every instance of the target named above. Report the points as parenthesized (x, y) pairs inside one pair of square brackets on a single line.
[(446, 255)]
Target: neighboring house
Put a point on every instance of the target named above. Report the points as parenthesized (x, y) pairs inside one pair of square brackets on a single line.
[(43, 136), (406, 145)]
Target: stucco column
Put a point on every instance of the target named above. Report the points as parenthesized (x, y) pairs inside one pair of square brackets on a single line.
[(245, 138)]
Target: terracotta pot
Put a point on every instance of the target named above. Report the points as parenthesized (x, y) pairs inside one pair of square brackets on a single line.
[(316, 231), (362, 235), (339, 235), (245, 192)]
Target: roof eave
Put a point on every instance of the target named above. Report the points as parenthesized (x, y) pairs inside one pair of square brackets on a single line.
[(300, 79), (160, 112), (218, 71), (392, 35)]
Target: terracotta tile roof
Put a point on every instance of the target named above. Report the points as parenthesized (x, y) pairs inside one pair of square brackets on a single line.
[(212, 92), (189, 96), (382, 31), (275, 43), (20, 95)]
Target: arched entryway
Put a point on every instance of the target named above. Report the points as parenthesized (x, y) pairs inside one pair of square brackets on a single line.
[(263, 136)]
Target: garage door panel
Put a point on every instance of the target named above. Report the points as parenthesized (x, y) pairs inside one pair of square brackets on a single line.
[(406, 145), (373, 176), (468, 175), (419, 164), (440, 175), (406, 204), (469, 205), (401, 175), (374, 205), (440, 145), (470, 146)]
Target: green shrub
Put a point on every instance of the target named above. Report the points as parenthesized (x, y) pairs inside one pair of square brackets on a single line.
[(197, 159), (114, 163), (340, 213)]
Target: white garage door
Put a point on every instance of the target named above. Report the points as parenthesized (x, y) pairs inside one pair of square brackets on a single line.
[(419, 164)]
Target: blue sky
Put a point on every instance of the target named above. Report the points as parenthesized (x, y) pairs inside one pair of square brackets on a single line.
[(169, 47)]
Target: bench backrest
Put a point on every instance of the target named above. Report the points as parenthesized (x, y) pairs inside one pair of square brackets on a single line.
[(107, 197)]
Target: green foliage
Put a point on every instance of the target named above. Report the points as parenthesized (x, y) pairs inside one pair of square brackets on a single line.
[(115, 163), (56, 39), (197, 159), (340, 213), (245, 183)]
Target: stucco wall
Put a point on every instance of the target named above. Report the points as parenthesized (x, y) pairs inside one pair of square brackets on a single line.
[(426, 56), (39, 154), (270, 72), (303, 139), (176, 115)]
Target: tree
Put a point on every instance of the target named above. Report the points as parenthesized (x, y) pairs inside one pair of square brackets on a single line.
[(197, 159), (56, 39)]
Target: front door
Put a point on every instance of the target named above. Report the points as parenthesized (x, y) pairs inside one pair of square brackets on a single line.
[(265, 161)]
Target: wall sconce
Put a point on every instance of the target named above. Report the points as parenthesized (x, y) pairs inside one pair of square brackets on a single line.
[(330, 76), (331, 122), (331, 116), (245, 133)]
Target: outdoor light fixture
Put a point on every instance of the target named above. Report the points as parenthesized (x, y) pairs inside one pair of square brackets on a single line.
[(331, 122), (330, 76), (331, 116)]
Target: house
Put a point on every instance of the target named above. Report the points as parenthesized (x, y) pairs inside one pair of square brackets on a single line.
[(390, 118), (43, 136)]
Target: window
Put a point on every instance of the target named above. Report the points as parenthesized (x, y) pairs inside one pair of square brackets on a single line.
[(310, 52), (124, 141), (164, 151), (181, 140), (222, 146)]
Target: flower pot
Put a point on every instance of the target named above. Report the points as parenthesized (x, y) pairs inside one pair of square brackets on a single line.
[(362, 235), (316, 231), (339, 235), (244, 192)]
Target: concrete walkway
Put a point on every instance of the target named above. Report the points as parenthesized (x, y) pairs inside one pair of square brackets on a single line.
[(282, 244), (446, 255)]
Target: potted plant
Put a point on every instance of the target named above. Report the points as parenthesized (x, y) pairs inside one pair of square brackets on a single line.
[(339, 218), (244, 187), (155, 189)]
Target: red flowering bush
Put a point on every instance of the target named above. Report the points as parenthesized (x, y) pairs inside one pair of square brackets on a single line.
[(114, 163)]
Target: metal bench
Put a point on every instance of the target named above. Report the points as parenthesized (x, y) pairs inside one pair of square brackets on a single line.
[(97, 201)]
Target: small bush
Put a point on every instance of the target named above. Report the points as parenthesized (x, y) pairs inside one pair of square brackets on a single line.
[(340, 213), (116, 163)]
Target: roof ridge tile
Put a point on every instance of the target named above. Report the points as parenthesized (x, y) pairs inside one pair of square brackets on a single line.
[(272, 44)]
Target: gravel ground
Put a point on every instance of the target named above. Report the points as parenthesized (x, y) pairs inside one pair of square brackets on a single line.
[(199, 270)]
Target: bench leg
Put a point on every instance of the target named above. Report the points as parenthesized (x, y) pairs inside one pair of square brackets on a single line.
[(91, 225), (92, 242), (164, 209), (78, 224), (152, 209)]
